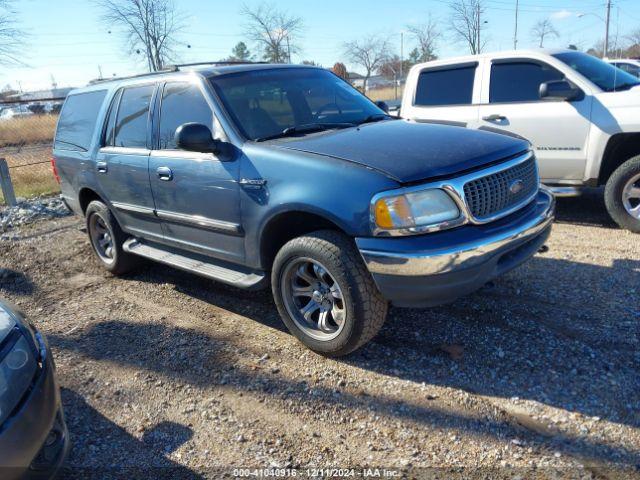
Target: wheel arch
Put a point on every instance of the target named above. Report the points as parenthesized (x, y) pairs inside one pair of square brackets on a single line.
[(285, 226), (87, 195), (620, 148)]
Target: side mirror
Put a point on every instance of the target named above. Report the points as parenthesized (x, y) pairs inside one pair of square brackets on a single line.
[(195, 137), (559, 90), (382, 106)]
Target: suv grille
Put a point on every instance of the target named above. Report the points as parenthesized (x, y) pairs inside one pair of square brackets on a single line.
[(499, 192)]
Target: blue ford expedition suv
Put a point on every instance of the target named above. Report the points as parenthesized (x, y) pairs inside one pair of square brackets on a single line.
[(250, 174)]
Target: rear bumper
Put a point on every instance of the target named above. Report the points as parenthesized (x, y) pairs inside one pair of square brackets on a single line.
[(34, 441), (437, 268)]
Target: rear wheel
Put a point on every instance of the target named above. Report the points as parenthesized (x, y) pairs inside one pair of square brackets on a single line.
[(106, 239), (325, 294), (622, 195)]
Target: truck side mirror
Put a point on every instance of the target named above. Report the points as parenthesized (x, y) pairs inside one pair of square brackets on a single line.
[(560, 90), (195, 137)]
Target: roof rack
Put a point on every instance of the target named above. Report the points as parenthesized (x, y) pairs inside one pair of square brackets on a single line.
[(219, 62), (175, 68)]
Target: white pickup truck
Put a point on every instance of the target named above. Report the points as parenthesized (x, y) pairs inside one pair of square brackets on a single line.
[(581, 115)]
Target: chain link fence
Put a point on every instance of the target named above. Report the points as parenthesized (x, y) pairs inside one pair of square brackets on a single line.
[(26, 137)]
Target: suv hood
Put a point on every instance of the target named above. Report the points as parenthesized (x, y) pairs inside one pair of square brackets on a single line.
[(409, 151)]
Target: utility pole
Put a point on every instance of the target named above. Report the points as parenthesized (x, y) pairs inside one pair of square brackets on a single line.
[(606, 35), (100, 72), (478, 19), (401, 53), (515, 33)]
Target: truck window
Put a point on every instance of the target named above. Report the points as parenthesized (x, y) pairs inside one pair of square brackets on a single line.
[(78, 120), (182, 102), (519, 81), (453, 86), (133, 116)]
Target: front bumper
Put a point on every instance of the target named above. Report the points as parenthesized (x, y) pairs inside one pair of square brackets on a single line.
[(34, 440), (437, 268)]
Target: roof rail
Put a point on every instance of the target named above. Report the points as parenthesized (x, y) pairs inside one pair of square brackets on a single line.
[(167, 69), (219, 62)]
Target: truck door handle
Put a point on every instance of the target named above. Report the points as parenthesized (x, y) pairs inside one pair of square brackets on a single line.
[(165, 174), (101, 167), (494, 118)]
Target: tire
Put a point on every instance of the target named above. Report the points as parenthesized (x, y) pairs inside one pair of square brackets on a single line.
[(616, 195), (101, 221), (357, 305)]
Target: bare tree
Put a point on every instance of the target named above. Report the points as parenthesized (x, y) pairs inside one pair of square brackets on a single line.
[(467, 24), (11, 37), (426, 35), (274, 32), (368, 53), (633, 49), (150, 27), (543, 29), (340, 70)]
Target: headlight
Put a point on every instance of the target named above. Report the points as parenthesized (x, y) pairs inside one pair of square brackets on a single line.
[(413, 212), (18, 363)]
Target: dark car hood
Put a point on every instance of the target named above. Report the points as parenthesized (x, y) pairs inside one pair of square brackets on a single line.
[(408, 151)]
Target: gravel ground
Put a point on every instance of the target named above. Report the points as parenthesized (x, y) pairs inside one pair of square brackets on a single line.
[(165, 374), (29, 211)]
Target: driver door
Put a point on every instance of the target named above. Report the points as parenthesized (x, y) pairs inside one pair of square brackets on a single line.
[(196, 194)]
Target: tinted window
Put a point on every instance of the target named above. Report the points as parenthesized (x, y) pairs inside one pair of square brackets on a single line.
[(133, 115), (266, 102), (519, 82), (78, 120), (629, 68), (445, 87), (604, 75), (111, 120), (181, 103)]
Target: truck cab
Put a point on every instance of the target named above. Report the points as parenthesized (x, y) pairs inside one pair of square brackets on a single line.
[(579, 113)]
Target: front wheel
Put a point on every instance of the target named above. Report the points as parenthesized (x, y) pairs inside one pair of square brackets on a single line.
[(325, 294), (622, 195)]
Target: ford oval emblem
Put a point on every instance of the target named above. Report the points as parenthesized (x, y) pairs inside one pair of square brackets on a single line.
[(516, 186)]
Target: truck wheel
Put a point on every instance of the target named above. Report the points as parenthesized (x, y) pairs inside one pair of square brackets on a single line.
[(325, 294), (622, 195), (107, 238)]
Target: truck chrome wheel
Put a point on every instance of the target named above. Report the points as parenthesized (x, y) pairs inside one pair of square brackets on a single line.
[(313, 299), (631, 197), (101, 238)]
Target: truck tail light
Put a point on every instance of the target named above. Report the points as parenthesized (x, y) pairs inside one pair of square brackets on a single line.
[(55, 169)]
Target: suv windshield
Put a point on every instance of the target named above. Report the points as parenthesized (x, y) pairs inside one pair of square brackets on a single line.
[(283, 101), (604, 75)]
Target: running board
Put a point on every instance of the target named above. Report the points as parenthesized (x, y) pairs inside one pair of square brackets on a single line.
[(205, 267)]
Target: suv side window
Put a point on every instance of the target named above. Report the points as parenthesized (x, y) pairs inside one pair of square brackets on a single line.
[(519, 81), (182, 102), (133, 117), (446, 86), (78, 119)]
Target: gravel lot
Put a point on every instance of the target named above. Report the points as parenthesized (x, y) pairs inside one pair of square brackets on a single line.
[(165, 374)]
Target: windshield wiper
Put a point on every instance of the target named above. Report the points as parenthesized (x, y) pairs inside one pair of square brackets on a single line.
[(377, 117), (305, 128)]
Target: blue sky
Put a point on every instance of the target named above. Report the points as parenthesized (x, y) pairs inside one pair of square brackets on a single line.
[(68, 40)]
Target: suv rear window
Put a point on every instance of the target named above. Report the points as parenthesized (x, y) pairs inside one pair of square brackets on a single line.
[(78, 120), (133, 117), (451, 86)]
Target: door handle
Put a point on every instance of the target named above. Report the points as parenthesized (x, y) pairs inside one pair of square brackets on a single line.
[(101, 167), (165, 174), (494, 118)]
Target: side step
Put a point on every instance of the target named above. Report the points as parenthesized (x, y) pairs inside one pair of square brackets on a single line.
[(205, 267)]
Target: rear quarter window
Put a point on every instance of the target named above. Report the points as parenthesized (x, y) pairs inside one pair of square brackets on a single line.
[(78, 120), (445, 86)]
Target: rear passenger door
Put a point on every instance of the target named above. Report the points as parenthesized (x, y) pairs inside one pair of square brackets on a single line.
[(122, 164), (445, 95), (196, 194)]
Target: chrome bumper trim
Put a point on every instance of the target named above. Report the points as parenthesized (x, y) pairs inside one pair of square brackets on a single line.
[(464, 254), (564, 191)]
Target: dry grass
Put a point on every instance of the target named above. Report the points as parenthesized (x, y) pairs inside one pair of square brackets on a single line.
[(385, 93), (27, 130), (32, 181)]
